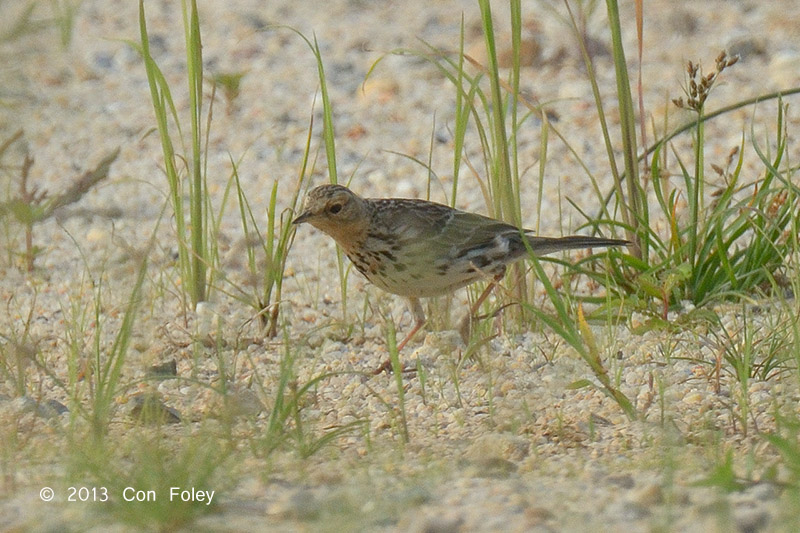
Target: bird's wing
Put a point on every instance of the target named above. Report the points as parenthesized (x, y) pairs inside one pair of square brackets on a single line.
[(461, 235), (450, 239), (441, 225)]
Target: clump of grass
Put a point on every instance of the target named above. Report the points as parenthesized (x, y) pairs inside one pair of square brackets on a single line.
[(725, 248), (790, 329), (738, 351), (730, 247), (25, 18), (141, 471), (18, 350), (20, 24), (784, 440), (64, 13), (724, 477), (397, 370), (30, 206), (102, 371), (287, 425), (195, 249), (273, 243)]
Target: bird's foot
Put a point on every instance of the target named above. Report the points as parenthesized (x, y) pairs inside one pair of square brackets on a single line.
[(386, 366)]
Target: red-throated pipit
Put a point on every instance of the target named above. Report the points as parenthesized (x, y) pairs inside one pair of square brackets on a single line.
[(420, 249)]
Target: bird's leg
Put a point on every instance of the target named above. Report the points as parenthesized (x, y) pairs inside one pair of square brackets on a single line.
[(419, 321), (466, 323)]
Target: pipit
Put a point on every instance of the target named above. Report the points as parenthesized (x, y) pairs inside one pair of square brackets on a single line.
[(420, 249)]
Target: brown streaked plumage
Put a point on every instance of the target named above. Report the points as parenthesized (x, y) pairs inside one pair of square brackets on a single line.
[(420, 249)]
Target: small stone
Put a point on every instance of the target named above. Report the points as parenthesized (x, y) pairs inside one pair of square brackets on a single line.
[(149, 409), (302, 505), (104, 60), (530, 52), (538, 515), (209, 320), (746, 46), (751, 519), (97, 235), (25, 404), (243, 402), (498, 445), (631, 511), (414, 496), (624, 481), (168, 369), (379, 90), (763, 492), (441, 524), (648, 496), (52, 408), (683, 22), (693, 398), (495, 467)]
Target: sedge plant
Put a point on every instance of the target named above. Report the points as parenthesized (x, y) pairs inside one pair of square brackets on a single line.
[(194, 254)]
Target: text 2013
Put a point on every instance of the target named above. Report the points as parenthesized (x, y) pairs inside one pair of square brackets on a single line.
[(87, 494)]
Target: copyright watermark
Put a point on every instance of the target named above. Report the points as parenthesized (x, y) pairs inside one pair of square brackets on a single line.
[(129, 494)]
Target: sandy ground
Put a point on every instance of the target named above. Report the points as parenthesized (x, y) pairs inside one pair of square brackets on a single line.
[(499, 444)]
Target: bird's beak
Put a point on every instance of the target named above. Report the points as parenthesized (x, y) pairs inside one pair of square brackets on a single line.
[(303, 217)]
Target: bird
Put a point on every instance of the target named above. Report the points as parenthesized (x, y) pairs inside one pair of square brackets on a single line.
[(421, 249)]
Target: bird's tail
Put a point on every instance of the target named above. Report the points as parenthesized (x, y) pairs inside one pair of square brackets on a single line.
[(548, 245)]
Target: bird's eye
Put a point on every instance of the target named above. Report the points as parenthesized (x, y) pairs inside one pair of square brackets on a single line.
[(335, 208)]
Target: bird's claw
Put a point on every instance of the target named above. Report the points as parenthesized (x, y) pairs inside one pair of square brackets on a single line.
[(386, 366)]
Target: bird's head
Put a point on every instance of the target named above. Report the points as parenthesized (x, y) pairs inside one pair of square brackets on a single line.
[(335, 210)]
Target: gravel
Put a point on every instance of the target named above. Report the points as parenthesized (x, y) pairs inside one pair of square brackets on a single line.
[(499, 442)]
